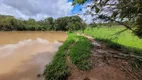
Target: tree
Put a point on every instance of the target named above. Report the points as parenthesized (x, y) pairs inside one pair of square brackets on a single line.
[(9, 23), (117, 11), (71, 23), (51, 23), (92, 25), (61, 23)]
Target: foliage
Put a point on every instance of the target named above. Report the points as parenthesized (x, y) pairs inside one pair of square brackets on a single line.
[(117, 11), (93, 25), (125, 41), (72, 23)]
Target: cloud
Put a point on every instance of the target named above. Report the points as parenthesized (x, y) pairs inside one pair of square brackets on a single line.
[(87, 18), (37, 9)]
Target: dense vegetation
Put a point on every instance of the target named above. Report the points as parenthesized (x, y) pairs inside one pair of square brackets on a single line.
[(125, 41), (77, 48), (72, 23)]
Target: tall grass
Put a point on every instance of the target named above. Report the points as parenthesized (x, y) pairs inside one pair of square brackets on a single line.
[(58, 68), (125, 41), (80, 53), (78, 48)]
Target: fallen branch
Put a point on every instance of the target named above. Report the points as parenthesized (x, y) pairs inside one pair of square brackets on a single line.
[(117, 33)]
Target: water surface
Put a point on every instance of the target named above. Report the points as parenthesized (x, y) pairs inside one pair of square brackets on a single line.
[(23, 55), (16, 36)]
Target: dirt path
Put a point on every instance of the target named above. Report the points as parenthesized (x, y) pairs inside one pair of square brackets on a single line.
[(107, 64)]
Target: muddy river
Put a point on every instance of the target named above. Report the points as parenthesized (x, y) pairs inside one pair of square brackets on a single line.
[(23, 55)]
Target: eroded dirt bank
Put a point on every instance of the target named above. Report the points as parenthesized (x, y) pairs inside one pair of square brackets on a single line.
[(107, 64)]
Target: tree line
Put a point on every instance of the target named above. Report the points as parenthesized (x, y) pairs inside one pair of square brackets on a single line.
[(68, 23)]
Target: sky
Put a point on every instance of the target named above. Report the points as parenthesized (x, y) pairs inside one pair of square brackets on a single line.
[(38, 9)]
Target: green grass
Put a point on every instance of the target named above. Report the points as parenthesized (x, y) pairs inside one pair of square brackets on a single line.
[(78, 48), (80, 53), (58, 69), (126, 41)]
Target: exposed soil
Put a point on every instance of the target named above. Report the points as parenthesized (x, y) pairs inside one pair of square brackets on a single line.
[(107, 64)]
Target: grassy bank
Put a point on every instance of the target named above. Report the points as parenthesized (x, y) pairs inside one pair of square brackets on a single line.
[(78, 48), (58, 69), (80, 53), (125, 41)]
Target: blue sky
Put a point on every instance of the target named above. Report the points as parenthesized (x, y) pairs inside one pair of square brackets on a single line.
[(76, 8)]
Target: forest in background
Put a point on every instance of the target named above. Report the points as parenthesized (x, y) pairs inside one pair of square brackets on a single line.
[(68, 23)]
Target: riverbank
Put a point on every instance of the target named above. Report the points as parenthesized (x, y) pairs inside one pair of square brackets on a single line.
[(59, 68), (83, 58)]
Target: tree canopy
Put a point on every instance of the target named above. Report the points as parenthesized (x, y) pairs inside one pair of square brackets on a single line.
[(68, 23), (118, 11)]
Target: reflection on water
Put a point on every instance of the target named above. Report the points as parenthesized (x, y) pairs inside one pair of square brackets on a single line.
[(16, 36), (27, 58)]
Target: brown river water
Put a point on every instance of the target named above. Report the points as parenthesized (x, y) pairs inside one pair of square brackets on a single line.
[(23, 55)]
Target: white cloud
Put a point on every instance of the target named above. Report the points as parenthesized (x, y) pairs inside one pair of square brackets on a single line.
[(87, 18), (37, 9)]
